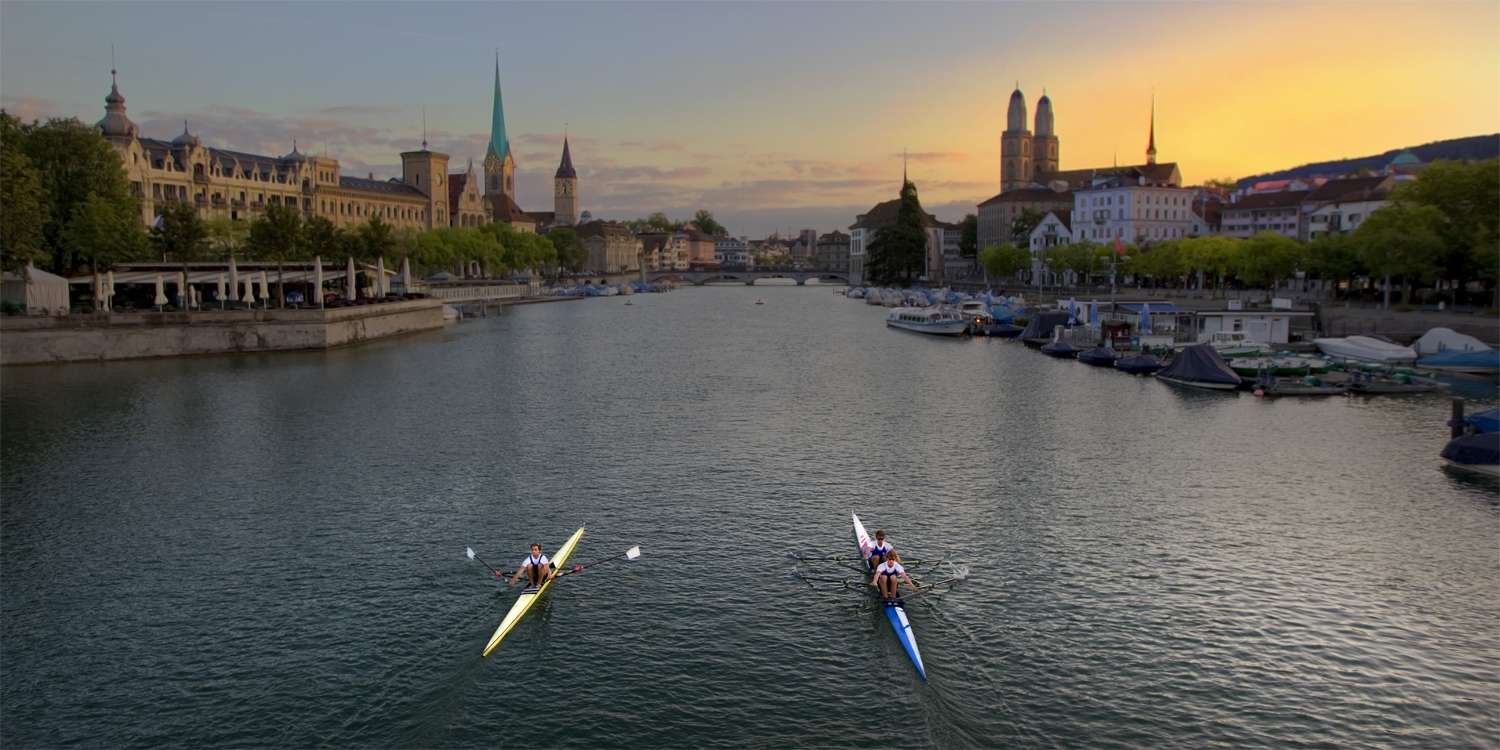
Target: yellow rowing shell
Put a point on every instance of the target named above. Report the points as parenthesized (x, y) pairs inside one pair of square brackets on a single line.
[(529, 596)]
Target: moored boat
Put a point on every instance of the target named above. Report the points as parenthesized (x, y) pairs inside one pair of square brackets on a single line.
[(1099, 356), (1200, 366), (531, 594), (1366, 349), (1060, 349), (1476, 442), (931, 320), (1473, 362), (893, 610), (1001, 330), (1140, 364)]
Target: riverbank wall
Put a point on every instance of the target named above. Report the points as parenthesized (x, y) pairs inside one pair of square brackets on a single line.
[(83, 338)]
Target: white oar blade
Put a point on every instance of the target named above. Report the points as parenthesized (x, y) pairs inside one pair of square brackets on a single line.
[(633, 553), (470, 550)]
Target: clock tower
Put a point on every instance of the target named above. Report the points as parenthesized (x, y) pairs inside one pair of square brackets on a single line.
[(565, 190), (499, 165)]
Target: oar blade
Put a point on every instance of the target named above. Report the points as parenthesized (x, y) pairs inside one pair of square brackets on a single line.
[(633, 553), (470, 550)]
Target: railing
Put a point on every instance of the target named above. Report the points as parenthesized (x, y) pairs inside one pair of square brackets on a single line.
[(475, 293), (201, 178)]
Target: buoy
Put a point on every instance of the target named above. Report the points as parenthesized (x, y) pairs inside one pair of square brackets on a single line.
[(1259, 393), (758, 302)]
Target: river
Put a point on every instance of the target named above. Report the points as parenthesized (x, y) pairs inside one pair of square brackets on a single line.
[(268, 550)]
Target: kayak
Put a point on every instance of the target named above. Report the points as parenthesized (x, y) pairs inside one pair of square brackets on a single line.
[(893, 611), (532, 593)]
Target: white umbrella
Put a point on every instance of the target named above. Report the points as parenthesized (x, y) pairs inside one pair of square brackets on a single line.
[(161, 292), (1146, 317), (109, 289), (318, 278), (380, 276), (220, 296), (406, 275), (1094, 314), (350, 290), (234, 279), (183, 293), (265, 289), (98, 290)]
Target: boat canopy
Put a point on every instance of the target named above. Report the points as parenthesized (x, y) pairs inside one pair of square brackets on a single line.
[(1447, 339), (1482, 449), (1200, 364), (1485, 421), (1041, 324), (1484, 358)]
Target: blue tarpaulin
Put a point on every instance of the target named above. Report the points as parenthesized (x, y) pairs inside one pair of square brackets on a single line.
[(1200, 363)]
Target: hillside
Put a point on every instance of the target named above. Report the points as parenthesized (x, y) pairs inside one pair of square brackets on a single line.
[(1473, 148)]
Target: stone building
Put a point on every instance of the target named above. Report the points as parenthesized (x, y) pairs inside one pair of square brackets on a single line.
[(997, 216), (833, 251), (863, 230), (465, 202), (612, 247), (219, 182)]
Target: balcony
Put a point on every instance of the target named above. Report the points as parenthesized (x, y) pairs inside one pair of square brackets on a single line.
[(200, 178), (218, 200), (257, 205), (237, 203), (200, 199)]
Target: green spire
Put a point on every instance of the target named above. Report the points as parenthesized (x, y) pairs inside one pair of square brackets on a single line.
[(499, 145)]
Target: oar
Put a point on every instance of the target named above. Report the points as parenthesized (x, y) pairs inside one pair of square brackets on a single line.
[(631, 553), (473, 556)]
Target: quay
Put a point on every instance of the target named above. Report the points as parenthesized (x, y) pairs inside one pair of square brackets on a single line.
[(28, 340)]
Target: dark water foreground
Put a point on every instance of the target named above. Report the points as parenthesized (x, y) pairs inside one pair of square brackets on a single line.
[(268, 551)]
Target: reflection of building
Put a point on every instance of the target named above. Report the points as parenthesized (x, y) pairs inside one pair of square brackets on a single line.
[(238, 185)]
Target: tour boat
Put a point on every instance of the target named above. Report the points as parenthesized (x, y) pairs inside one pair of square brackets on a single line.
[(932, 320)]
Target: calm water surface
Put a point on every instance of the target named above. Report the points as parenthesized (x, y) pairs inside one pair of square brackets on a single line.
[(268, 551)]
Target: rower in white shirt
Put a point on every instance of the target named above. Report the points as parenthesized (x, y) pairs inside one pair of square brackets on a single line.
[(536, 566), (878, 550), (887, 575)]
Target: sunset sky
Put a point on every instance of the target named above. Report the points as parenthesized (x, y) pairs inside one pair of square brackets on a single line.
[(773, 115)]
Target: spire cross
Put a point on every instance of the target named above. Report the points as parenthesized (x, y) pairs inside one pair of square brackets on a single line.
[(424, 128)]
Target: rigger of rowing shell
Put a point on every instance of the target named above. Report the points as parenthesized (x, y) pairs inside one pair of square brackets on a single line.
[(877, 558)]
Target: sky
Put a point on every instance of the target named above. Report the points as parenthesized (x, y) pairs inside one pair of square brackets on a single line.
[(775, 116)]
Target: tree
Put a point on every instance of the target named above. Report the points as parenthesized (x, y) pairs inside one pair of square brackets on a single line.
[(22, 215), (227, 234), (276, 235), (707, 224), (1468, 195), (320, 237), (1266, 257), (968, 237), (179, 234), (1021, 228), (572, 254), (1214, 256), (898, 252), (377, 238), (1402, 239), (1227, 183), (72, 161), (1004, 260), (99, 233)]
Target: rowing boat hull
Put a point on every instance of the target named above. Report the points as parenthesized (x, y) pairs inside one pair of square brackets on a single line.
[(529, 597), (894, 612)]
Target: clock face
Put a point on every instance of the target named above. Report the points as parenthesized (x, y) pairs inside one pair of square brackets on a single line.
[(565, 188), (491, 162)]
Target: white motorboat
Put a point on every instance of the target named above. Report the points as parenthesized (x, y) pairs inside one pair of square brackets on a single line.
[(1367, 349), (1232, 344), (934, 320)]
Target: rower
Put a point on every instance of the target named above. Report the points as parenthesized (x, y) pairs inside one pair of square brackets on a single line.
[(878, 549), (536, 566), (886, 576)]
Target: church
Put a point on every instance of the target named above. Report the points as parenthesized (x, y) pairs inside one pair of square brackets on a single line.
[(500, 180)]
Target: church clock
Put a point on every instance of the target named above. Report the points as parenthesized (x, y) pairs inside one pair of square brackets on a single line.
[(564, 188)]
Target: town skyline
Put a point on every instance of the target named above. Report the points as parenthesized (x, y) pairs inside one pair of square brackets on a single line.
[(807, 130)]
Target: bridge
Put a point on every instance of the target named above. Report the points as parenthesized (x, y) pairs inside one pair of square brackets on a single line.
[(750, 274)]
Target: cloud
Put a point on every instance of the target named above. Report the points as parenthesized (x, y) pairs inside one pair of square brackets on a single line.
[(355, 110), (657, 146), (937, 157), (28, 108)]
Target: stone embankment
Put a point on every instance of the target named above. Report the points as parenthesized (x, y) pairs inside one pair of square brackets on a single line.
[(79, 338)]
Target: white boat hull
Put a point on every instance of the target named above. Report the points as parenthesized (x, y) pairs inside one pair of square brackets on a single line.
[(1366, 349), (1199, 384)]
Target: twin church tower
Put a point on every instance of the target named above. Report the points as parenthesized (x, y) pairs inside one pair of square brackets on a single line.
[(500, 177), (1024, 155)]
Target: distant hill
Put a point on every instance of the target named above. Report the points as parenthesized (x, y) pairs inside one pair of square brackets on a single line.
[(1477, 147)]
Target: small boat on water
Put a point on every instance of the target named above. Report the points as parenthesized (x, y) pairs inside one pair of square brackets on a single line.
[(1231, 344), (532, 593), (1000, 330), (1270, 385), (1061, 349), (1140, 364), (893, 610), (1099, 356), (1039, 329), (1200, 366), (1366, 349), (1476, 443), (1472, 362), (933, 320), (1285, 365)]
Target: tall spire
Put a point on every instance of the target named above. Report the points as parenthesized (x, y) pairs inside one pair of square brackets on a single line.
[(499, 144), (1151, 143), (565, 169)]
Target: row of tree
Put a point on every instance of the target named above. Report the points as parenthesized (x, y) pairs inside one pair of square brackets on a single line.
[(1440, 226), (658, 222)]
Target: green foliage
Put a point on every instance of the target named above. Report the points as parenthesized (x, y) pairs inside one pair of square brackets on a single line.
[(1266, 257), (1332, 256), (1228, 183), (101, 234), (376, 239), (1402, 239), (1004, 260), (968, 236), (22, 215), (1468, 196), (656, 222), (228, 235), (898, 252), (320, 237), (276, 234), (73, 161), (1021, 228), (707, 224), (772, 259), (572, 254), (181, 236)]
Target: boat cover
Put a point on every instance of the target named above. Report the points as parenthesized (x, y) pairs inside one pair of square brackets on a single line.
[(1482, 449), (1101, 355), (1483, 358), (1445, 339), (1041, 324), (1138, 363), (1200, 363), (1366, 349), (1060, 349), (1484, 422)]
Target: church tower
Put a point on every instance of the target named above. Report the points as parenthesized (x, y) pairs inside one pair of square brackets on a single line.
[(1045, 140), (1151, 140), (499, 165), (1015, 146), (565, 190)]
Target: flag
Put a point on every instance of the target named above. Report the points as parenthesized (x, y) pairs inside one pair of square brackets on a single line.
[(1119, 246)]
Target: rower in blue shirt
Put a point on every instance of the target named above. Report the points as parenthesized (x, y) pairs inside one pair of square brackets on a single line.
[(536, 566), (878, 550)]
